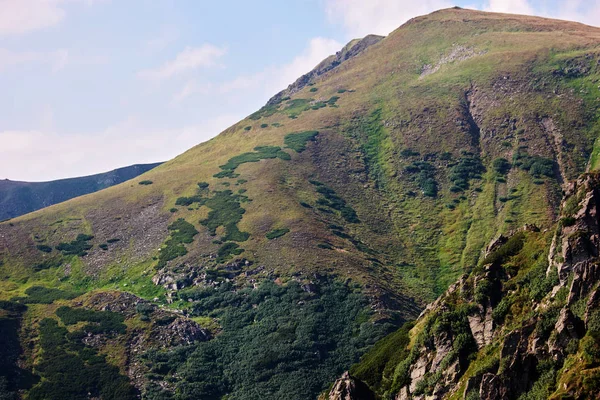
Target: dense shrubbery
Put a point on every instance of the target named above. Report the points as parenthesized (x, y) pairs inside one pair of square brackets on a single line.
[(424, 177), (99, 321), (77, 247), (44, 248), (227, 250), (501, 166), (44, 295), (468, 167), (73, 371), (226, 212), (298, 141), (260, 153), (332, 200), (276, 233), (146, 182), (182, 232), (508, 249), (278, 342), (537, 166)]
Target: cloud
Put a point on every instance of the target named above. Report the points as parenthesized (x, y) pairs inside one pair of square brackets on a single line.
[(23, 16), (24, 155), (189, 59), (381, 17), (510, 6), (268, 81)]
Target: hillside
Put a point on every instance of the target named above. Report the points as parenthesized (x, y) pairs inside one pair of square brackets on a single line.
[(18, 198), (283, 249)]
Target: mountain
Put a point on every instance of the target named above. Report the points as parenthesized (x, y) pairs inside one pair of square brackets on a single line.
[(265, 262), (18, 198)]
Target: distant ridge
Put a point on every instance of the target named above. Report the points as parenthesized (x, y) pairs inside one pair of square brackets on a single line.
[(18, 198)]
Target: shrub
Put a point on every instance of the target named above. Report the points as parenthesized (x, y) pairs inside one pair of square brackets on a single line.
[(202, 185), (261, 153), (226, 212), (182, 232), (501, 166), (468, 167), (409, 153), (103, 246), (44, 248), (537, 166), (227, 250), (247, 128), (44, 295), (277, 233), (99, 321), (264, 125), (298, 141), (332, 200), (77, 247), (340, 91), (313, 89), (145, 182), (173, 210), (512, 247), (113, 240)]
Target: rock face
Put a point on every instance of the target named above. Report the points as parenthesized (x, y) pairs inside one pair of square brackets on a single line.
[(352, 49), (349, 388)]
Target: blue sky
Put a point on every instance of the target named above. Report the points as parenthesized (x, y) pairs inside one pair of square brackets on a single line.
[(92, 85)]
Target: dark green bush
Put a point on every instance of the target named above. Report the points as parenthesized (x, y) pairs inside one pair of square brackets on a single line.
[(277, 233), (298, 141), (103, 246), (226, 212), (146, 182), (332, 200), (182, 232), (537, 166), (99, 321), (44, 295), (313, 89), (227, 250), (247, 128), (264, 126), (501, 166), (261, 153), (512, 247), (468, 167), (77, 247), (44, 248), (113, 240)]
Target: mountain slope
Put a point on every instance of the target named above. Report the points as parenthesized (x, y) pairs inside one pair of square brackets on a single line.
[(18, 198), (325, 219), (525, 324)]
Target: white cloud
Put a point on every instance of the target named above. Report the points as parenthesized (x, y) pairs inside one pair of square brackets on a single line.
[(380, 17), (23, 16), (24, 155), (189, 59), (269, 81), (510, 6)]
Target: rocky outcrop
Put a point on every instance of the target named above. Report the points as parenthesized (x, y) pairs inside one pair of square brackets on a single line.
[(352, 49), (349, 388)]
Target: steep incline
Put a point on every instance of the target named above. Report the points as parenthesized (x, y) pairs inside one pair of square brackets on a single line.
[(347, 204)]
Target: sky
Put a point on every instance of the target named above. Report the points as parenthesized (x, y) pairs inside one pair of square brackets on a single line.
[(92, 85)]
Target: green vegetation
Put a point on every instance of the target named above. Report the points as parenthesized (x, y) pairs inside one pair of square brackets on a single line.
[(332, 200), (77, 247), (512, 246), (145, 182), (263, 126), (99, 321), (537, 166), (71, 370), (261, 153), (264, 331), (424, 175), (313, 89), (298, 141), (501, 166), (277, 233), (227, 250), (467, 167), (44, 295), (44, 248), (226, 212), (182, 232)]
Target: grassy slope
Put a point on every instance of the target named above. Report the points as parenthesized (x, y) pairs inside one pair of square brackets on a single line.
[(422, 245)]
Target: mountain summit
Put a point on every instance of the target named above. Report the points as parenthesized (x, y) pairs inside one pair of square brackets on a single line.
[(265, 262)]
